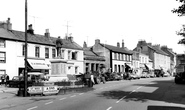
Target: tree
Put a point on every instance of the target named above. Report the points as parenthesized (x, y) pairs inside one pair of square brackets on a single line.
[(181, 9), (181, 12)]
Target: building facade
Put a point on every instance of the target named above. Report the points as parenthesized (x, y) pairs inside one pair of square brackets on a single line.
[(41, 49), (92, 61), (173, 58), (161, 60), (115, 56)]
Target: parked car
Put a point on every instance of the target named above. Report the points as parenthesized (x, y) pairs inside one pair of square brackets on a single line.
[(134, 76), (180, 78), (115, 76)]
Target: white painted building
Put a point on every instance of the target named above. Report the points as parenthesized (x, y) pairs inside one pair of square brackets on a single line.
[(41, 49)]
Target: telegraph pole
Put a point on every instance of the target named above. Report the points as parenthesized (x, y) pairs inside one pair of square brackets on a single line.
[(25, 60)]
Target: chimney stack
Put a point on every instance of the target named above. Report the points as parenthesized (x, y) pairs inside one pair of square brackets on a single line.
[(85, 45), (123, 44), (97, 41), (30, 29), (118, 45), (6, 25), (47, 34), (9, 24)]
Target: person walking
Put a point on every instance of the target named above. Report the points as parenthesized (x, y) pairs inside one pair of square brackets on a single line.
[(6, 79)]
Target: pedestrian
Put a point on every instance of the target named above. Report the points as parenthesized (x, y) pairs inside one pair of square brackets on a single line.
[(3, 79), (7, 80)]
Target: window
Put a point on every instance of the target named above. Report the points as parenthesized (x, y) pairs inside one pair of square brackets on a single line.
[(123, 56), (69, 55), (115, 68), (118, 56), (23, 50), (2, 43), (46, 52), (115, 57), (37, 52), (76, 70), (53, 53), (2, 57), (74, 55), (2, 72), (62, 56)]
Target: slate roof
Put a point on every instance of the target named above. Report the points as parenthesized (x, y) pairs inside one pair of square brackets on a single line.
[(158, 50), (90, 55), (36, 38), (117, 49)]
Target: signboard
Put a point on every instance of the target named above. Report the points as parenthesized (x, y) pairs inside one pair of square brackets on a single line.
[(50, 90), (35, 90)]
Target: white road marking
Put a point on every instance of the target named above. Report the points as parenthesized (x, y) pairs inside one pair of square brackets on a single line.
[(32, 108), (62, 98), (48, 103), (73, 95), (120, 99), (109, 108), (132, 91), (81, 93), (139, 87)]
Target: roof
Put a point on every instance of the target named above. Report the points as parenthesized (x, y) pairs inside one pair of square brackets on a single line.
[(158, 50), (116, 49), (37, 39), (68, 44), (90, 55)]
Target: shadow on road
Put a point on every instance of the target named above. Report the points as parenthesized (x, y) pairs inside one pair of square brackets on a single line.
[(163, 90), (164, 108)]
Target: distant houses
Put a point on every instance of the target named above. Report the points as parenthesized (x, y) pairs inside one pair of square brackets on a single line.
[(43, 48)]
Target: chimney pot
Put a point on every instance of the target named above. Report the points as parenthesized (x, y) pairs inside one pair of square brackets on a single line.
[(47, 34), (118, 45), (123, 44)]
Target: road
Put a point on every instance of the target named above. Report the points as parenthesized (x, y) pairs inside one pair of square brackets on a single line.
[(143, 94)]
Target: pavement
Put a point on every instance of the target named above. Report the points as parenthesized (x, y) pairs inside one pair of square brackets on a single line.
[(4, 89)]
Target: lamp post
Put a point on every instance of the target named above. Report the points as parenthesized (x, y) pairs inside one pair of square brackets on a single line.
[(25, 60)]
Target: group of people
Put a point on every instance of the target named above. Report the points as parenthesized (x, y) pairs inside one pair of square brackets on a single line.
[(4, 79)]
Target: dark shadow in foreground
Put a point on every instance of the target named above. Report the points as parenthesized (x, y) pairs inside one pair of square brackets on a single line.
[(164, 108), (159, 90)]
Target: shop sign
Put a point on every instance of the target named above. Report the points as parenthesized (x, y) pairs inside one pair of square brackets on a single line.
[(50, 90), (35, 90)]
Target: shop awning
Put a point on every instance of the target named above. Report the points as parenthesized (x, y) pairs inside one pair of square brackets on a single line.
[(38, 64), (148, 67), (129, 65)]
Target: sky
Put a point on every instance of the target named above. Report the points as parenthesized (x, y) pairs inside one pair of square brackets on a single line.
[(111, 21)]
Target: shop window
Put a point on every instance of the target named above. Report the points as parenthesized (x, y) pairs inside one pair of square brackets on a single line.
[(115, 68), (37, 52), (2, 57), (46, 52), (2, 43), (53, 53)]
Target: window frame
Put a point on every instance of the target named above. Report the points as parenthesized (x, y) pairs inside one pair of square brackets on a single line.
[(3, 61), (53, 53), (46, 52), (3, 42), (37, 52)]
